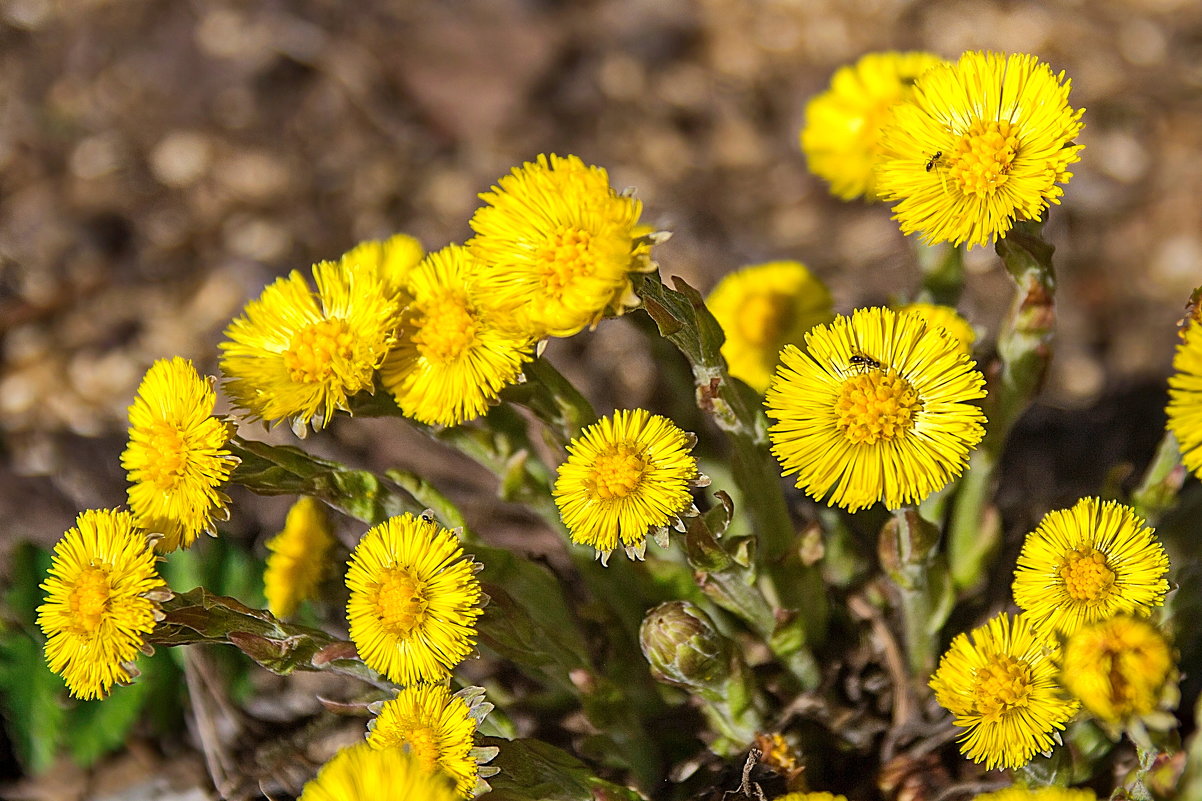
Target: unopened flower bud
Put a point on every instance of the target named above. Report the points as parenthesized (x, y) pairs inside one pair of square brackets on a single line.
[(683, 647)]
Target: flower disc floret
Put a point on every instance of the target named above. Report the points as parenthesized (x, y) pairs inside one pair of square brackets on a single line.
[(1089, 563), (625, 476), (414, 600), (978, 144), (878, 409), (1185, 398), (362, 773), (761, 309), (437, 728), (1000, 684), (452, 358), (176, 458), (841, 137), (300, 355), (558, 245), (101, 601)]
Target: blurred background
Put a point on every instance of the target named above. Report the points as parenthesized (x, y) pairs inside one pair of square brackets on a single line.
[(160, 162)]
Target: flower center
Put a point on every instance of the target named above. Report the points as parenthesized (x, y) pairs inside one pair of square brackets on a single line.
[(1086, 576), (168, 455), (422, 741), (400, 601), (446, 329), (981, 160), (89, 599), (314, 349), (565, 256), (764, 318), (1001, 686), (875, 406), (617, 473)]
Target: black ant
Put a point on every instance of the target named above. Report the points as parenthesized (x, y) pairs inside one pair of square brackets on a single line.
[(860, 360), (934, 160)]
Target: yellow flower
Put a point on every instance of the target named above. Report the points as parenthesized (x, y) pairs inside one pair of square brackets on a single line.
[(362, 773), (392, 259), (1088, 563), (176, 457), (1001, 686), (558, 246), (978, 144), (1185, 398), (1120, 669), (300, 355), (763, 308), (297, 562), (438, 729), (414, 600), (102, 599), (811, 797), (451, 359), (841, 137), (877, 410), (625, 476), (1038, 794), (948, 319)]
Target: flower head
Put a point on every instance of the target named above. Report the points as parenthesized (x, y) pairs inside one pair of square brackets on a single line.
[(841, 137), (1121, 669), (1185, 398), (948, 319), (810, 797), (392, 259), (558, 246), (878, 409), (763, 308), (300, 355), (102, 597), (1000, 685), (1088, 563), (1037, 794), (362, 773), (978, 144), (625, 476), (297, 562), (176, 457), (451, 359), (438, 729), (414, 600)]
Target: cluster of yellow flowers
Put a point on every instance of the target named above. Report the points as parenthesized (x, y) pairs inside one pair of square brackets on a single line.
[(1086, 580), (962, 148)]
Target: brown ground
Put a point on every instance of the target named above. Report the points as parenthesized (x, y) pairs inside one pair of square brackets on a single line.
[(161, 161)]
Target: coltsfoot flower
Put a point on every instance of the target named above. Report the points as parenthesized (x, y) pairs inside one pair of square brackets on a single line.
[(761, 309), (978, 144), (451, 359), (1089, 563), (362, 773), (841, 137), (298, 557), (176, 458), (821, 796), (437, 728), (558, 247), (948, 319), (1185, 398), (1000, 684), (414, 600), (299, 355), (1123, 670), (102, 599), (1038, 794), (626, 476), (878, 409), (392, 259)]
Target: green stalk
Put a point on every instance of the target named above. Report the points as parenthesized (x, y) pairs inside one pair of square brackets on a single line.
[(942, 268), (1024, 350), (909, 553), (1162, 480)]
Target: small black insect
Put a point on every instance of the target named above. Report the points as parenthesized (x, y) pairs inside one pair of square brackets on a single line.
[(868, 363), (934, 160)]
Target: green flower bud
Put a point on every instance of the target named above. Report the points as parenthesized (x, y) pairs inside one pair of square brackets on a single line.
[(684, 649)]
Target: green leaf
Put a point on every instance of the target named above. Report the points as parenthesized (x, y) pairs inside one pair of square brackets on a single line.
[(28, 566), (96, 728), (532, 770), (31, 698)]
